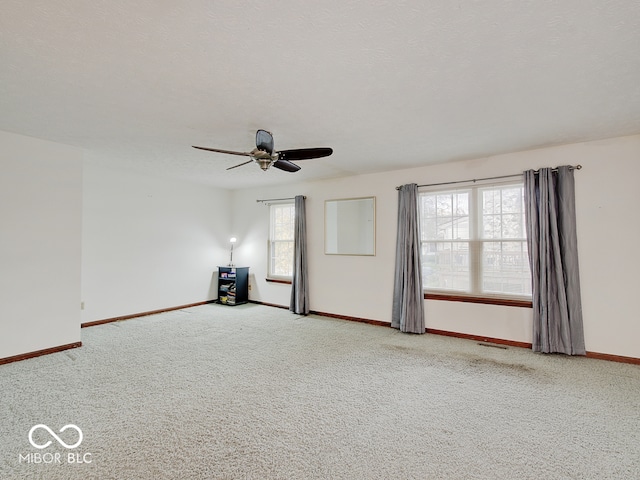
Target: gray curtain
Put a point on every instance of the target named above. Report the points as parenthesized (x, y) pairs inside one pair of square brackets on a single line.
[(300, 281), (553, 256), (408, 297)]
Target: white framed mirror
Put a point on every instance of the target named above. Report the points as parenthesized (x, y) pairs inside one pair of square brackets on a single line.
[(350, 226)]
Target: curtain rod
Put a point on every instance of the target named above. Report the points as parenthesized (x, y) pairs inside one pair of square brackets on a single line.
[(577, 167), (276, 199)]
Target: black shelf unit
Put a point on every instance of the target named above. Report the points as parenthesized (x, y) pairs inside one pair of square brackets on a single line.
[(233, 285)]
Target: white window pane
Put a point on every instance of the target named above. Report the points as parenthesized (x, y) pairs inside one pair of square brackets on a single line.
[(512, 199), (429, 230), (491, 226), (461, 228), (503, 213), (428, 205), (512, 225), (499, 264), (490, 202), (462, 204), (446, 265), (444, 228), (282, 220), (443, 205), (445, 216), (505, 268), (282, 258)]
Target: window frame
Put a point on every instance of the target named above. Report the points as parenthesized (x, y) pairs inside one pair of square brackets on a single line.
[(474, 242), (270, 242)]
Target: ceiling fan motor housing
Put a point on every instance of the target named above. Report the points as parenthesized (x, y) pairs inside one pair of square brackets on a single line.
[(264, 163)]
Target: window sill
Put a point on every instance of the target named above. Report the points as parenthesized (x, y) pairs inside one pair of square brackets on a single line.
[(278, 280), (484, 300)]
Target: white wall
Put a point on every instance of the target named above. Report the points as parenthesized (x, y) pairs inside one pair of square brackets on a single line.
[(607, 197), (148, 243), (40, 221)]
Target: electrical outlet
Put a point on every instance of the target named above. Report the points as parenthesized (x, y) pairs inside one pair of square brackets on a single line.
[(81, 305)]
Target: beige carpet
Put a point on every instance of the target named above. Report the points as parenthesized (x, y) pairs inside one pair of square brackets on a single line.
[(259, 393)]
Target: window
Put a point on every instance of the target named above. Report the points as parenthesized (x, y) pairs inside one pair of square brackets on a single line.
[(282, 217), (474, 242)]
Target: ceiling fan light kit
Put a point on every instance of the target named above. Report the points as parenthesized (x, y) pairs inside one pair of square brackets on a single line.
[(265, 155)]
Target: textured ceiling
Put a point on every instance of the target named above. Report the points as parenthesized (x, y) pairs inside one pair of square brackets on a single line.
[(387, 84)]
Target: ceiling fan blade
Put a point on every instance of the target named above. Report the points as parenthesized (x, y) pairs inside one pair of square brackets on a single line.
[(286, 165), (264, 141), (240, 164), (304, 153), (244, 154)]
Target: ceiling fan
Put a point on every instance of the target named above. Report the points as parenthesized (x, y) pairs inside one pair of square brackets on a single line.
[(265, 155)]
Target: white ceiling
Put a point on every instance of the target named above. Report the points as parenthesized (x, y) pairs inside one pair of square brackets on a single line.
[(389, 84)]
